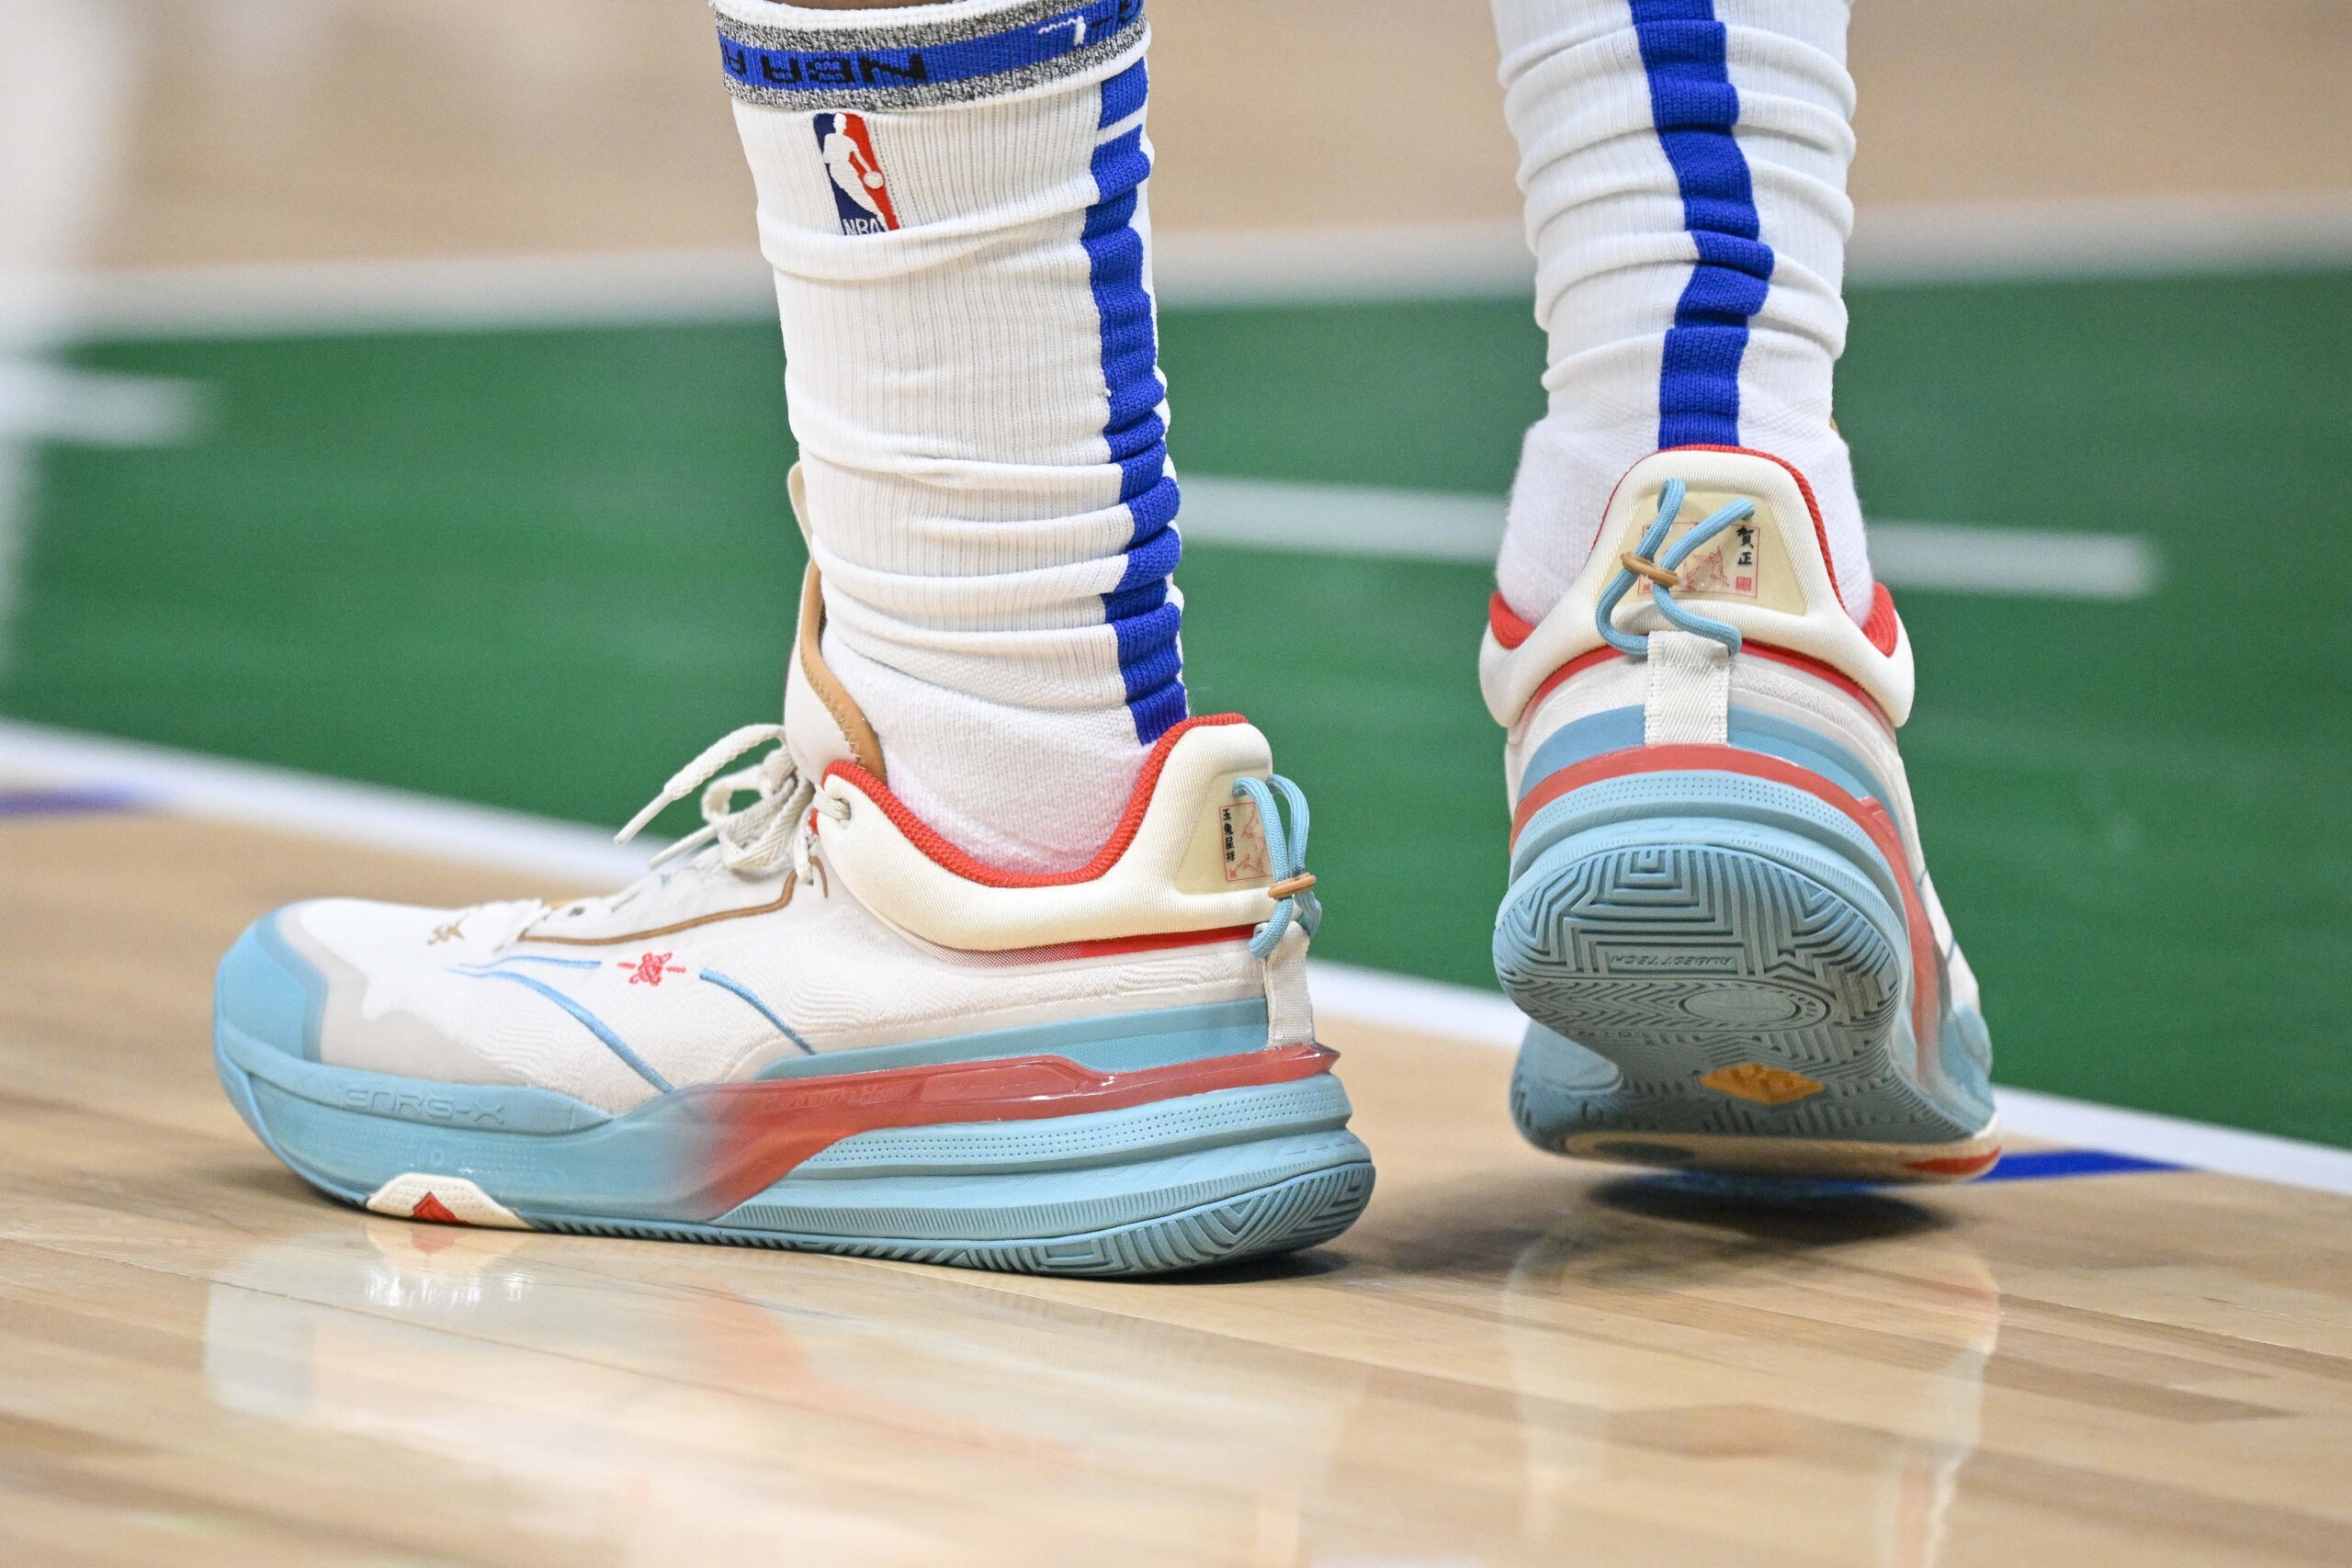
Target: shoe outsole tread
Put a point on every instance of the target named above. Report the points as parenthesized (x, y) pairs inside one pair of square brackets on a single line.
[(1286, 1216), (1299, 1211), (1744, 1016)]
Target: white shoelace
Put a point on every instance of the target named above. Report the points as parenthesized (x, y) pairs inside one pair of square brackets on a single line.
[(751, 842), (754, 841)]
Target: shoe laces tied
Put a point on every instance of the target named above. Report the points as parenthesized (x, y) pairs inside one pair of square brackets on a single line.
[(1664, 574), (760, 837), (1292, 888)]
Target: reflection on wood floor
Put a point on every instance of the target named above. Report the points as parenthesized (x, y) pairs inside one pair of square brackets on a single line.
[(1512, 1360)]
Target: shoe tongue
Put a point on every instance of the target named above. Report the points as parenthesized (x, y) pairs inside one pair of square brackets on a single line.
[(812, 736)]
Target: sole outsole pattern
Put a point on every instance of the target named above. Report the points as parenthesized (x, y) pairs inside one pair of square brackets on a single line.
[(1712, 1006), (1286, 1216)]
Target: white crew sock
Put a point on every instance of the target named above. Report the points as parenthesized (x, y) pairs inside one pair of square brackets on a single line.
[(1684, 163), (952, 197)]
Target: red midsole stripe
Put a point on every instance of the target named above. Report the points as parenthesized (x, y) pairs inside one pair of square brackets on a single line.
[(1868, 814), (1958, 1165), (760, 1131)]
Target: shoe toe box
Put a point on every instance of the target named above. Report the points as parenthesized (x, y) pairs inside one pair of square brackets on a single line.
[(296, 981), (266, 991)]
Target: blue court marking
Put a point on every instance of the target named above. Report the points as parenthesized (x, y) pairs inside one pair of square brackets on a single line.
[(2044, 1165), (67, 800), (2032, 1165), (1143, 617), (1695, 107), (818, 72), (741, 990), (588, 1020)]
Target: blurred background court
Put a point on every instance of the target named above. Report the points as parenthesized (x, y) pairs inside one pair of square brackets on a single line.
[(389, 393)]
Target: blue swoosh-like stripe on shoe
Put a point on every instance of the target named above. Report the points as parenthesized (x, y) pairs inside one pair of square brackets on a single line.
[(741, 990), (588, 1020)]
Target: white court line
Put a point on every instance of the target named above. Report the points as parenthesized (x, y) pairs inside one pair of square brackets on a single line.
[(394, 820), (1893, 243), (1283, 514), (1483, 1018), (262, 797), (96, 408), (410, 294)]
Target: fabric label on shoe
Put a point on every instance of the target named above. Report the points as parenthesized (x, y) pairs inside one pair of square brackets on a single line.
[(1244, 837), (1747, 561)]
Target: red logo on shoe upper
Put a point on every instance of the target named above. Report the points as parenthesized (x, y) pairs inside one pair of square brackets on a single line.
[(649, 968), (861, 190)]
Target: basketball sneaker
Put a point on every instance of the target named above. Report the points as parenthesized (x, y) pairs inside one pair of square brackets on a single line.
[(817, 1024), (1719, 921)]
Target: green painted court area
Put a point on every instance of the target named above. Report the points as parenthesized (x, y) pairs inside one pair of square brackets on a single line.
[(541, 569)]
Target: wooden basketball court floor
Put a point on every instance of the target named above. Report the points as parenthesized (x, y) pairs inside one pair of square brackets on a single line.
[(1513, 1358)]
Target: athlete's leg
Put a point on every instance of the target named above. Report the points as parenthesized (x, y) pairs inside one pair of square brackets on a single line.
[(1719, 918), (952, 199), (1684, 163), (1003, 963)]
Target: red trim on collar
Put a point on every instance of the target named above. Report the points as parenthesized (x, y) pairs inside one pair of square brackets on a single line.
[(929, 839)]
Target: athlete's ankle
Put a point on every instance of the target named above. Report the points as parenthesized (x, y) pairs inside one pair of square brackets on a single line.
[(958, 239)]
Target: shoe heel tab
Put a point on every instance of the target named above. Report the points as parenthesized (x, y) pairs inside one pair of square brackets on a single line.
[(1771, 577), (1778, 558)]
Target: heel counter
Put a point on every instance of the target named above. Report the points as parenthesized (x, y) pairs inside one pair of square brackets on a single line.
[(1163, 871), (1771, 578)]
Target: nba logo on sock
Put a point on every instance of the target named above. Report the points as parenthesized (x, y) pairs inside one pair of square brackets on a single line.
[(860, 191)]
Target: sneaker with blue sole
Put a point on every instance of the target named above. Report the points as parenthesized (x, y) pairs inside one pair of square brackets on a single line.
[(1719, 921), (818, 1025)]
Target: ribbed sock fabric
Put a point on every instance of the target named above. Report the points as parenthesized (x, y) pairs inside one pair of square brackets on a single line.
[(1684, 164), (952, 199)]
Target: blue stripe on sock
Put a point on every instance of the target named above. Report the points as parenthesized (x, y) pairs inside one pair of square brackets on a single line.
[(1143, 617), (1695, 107), (1122, 95)]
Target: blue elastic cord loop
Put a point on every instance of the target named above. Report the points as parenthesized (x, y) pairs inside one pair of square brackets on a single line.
[(1669, 502), (1286, 855)]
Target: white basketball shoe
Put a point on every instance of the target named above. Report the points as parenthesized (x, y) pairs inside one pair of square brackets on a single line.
[(818, 1025), (1719, 918)]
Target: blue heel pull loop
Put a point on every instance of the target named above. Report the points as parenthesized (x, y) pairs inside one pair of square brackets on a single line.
[(1645, 561), (1286, 856)]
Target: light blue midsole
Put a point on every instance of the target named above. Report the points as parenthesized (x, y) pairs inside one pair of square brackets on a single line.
[(1009, 1205), (545, 1154)]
